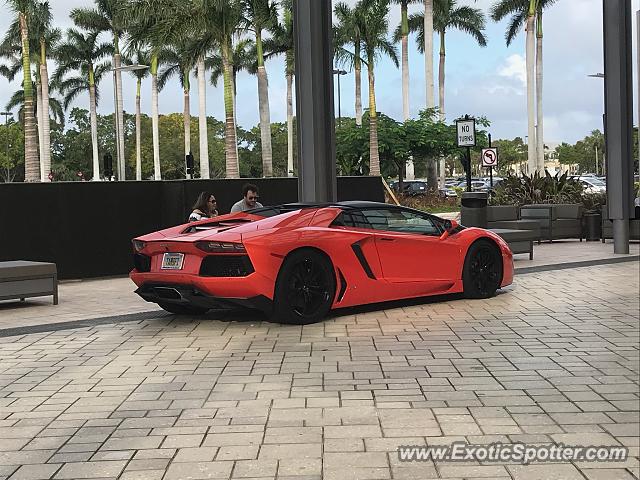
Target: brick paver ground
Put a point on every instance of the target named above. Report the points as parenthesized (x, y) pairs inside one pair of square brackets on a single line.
[(554, 358)]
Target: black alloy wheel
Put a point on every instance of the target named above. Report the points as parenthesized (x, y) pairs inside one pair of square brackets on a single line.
[(305, 288), (482, 271)]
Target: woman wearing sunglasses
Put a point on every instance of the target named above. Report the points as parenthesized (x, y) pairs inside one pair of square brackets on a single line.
[(205, 207)]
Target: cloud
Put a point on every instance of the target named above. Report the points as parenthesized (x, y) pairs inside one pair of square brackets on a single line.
[(514, 66)]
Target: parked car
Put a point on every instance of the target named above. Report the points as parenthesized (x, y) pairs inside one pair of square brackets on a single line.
[(410, 187), (592, 184), (476, 185), (447, 192), (297, 262)]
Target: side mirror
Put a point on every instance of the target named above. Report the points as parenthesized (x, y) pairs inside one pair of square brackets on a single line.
[(449, 226)]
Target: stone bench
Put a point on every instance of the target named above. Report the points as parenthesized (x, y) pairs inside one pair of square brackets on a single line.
[(519, 241), (21, 279)]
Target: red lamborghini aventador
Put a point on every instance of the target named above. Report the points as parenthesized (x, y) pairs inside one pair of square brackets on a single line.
[(298, 261)]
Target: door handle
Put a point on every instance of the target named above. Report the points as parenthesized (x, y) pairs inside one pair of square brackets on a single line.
[(386, 239)]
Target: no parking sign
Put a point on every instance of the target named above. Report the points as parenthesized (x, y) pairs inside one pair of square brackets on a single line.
[(490, 157)]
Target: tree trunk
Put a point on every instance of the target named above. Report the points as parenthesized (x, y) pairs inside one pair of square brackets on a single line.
[(442, 115), (40, 121), (155, 120), (540, 126), (374, 159), (265, 123), (31, 164), (46, 123), (263, 107), (94, 126), (202, 120), (120, 143), (290, 124), (138, 139), (532, 161), (405, 78), (230, 143), (358, 74), (428, 52), (405, 60)]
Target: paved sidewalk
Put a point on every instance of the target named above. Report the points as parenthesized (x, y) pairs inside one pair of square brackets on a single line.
[(552, 358)]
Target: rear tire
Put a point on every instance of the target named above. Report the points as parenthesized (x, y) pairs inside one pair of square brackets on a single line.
[(482, 272), (305, 288), (183, 309)]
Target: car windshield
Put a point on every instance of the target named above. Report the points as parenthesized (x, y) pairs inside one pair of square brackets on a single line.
[(595, 181)]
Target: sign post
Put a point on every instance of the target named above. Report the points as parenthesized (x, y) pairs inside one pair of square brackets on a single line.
[(466, 128), (490, 159)]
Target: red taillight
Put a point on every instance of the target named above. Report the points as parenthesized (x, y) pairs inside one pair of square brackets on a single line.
[(221, 247), (138, 245)]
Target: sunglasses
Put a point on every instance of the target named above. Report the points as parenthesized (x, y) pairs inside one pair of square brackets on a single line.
[(212, 201), (253, 198)]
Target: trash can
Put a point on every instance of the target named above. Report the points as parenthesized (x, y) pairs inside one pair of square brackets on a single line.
[(473, 212), (592, 226)]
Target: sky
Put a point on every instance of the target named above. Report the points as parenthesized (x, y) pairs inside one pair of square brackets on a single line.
[(486, 81)]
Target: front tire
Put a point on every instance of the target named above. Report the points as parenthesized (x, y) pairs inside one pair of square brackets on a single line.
[(183, 309), (305, 288), (482, 272)]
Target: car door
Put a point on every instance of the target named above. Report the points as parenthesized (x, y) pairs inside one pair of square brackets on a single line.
[(410, 249)]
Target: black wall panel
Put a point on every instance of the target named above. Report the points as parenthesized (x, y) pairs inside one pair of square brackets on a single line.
[(86, 227)]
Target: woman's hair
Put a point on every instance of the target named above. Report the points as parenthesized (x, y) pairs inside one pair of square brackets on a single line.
[(202, 203)]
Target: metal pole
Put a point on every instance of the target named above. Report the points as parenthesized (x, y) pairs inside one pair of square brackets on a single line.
[(638, 79), (339, 114), (117, 122), (315, 108), (468, 169), (490, 167), (619, 118), (6, 134)]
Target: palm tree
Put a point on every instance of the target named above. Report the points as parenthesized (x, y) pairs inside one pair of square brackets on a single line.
[(105, 17), (374, 38), (528, 13), (79, 54), (263, 15), (178, 62), (428, 53), (282, 41), (17, 101), (47, 38), (402, 35), (447, 16), (140, 57), (24, 11), (41, 37), (152, 23), (243, 59), (224, 18), (348, 32)]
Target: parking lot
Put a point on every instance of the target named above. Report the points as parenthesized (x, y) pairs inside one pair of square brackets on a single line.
[(553, 358)]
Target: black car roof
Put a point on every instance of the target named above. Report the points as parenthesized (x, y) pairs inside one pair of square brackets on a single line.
[(343, 205)]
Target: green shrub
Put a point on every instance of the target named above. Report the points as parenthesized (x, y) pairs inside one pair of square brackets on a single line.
[(430, 203), (593, 201), (537, 189)]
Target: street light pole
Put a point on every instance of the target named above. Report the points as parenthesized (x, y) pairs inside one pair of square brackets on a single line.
[(638, 79), (339, 72), (116, 117), (6, 134)]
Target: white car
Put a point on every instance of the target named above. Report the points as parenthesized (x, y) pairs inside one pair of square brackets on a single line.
[(593, 184)]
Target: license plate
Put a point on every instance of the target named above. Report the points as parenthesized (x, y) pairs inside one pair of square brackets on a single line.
[(172, 261)]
